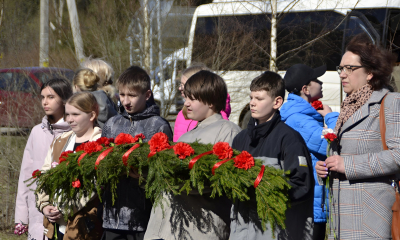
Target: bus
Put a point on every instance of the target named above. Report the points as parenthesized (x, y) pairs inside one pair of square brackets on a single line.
[(233, 39)]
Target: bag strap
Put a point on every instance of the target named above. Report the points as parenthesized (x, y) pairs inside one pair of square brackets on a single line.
[(382, 123)]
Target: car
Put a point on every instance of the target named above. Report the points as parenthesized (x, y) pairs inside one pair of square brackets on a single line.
[(20, 104)]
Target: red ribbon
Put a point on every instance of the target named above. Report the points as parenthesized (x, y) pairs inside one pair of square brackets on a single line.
[(81, 157), (154, 153), (126, 155), (102, 156), (259, 177), (219, 164), (194, 160)]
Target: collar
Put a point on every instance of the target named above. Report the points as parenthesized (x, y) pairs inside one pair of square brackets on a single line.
[(210, 120), (257, 131), (364, 110)]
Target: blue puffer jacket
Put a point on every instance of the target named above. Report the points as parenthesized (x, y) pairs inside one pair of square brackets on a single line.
[(302, 117)]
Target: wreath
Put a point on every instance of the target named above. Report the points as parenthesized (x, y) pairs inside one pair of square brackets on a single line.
[(164, 166)]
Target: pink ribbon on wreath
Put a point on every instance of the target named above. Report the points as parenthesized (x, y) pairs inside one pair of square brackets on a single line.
[(218, 164), (194, 160), (126, 155), (259, 177), (102, 156), (81, 157)]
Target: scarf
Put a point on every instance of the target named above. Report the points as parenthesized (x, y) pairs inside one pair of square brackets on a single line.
[(351, 104)]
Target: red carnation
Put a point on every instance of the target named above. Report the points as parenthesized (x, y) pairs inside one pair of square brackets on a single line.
[(223, 150), (139, 136), (317, 105), (105, 141), (159, 142), (244, 160), (330, 137), (124, 138), (91, 147), (76, 184), (64, 156), (36, 173), (81, 147), (183, 150)]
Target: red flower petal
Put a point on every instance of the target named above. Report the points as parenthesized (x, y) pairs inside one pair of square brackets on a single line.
[(223, 150), (183, 150), (244, 160)]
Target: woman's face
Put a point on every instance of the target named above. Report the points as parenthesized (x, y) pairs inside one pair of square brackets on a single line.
[(79, 121), (197, 110), (52, 103), (358, 78), (182, 84)]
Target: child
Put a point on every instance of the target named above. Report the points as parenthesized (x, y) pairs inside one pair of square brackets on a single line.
[(87, 80), (54, 93), (182, 123), (81, 112), (128, 217), (271, 140), (303, 86), (197, 216)]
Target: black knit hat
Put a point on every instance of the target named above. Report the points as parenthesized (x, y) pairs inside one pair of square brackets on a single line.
[(299, 75)]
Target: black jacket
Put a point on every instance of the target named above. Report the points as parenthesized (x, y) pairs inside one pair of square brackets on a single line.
[(131, 210), (278, 145), (283, 147)]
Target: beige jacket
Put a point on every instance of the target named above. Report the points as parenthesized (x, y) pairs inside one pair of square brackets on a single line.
[(195, 216), (56, 148)]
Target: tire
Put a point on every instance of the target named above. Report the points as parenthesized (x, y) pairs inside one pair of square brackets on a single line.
[(246, 120)]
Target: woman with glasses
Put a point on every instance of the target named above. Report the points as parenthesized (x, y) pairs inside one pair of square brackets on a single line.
[(361, 172)]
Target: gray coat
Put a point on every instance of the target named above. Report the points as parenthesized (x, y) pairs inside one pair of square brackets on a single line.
[(131, 210), (193, 216), (363, 197)]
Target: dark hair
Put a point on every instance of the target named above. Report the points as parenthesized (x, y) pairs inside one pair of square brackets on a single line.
[(271, 82), (374, 59), (298, 93), (208, 88), (134, 78), (61, 86)]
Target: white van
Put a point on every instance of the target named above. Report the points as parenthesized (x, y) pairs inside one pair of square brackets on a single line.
[(233, 39)]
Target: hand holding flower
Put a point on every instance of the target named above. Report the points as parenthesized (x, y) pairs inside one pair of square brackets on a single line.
[(335, 163), (321, 169)]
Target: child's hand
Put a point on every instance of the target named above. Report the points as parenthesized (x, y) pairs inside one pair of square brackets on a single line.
[(133, 173), (51, 213), (321, 169)]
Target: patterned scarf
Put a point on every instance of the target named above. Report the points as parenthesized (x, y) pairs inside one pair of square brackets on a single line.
[(351, 104)]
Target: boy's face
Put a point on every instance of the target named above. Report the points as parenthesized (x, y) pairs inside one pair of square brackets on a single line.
[(133, 101), (315, 91), (262, 106), (197, 110)]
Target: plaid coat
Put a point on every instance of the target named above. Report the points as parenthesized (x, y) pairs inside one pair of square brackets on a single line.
[(362, 199)]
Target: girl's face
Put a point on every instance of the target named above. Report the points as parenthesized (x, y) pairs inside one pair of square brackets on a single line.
[(197, 110), (182, 84), (52, 103), (79, 121)]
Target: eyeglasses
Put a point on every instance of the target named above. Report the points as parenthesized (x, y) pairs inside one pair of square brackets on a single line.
[(348, 69)]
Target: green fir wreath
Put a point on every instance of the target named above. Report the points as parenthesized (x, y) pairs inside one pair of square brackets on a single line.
[(164, 166)]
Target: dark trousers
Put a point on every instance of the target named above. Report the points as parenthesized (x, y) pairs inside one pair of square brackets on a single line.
[(111, 234), (319, 231)]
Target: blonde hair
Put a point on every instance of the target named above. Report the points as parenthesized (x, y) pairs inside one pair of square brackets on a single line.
[(86, 80), (86, 102), (101, 68), (190, 71)]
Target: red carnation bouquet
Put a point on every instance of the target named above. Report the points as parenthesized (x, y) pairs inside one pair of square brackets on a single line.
[(64, 156), (223, 150), (317, 105), (159, 142), (183, 150)]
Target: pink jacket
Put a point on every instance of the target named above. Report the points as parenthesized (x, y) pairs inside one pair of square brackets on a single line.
[(34, 154), (182, 125)]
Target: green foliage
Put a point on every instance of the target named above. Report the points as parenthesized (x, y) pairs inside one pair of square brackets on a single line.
[(165, 172)]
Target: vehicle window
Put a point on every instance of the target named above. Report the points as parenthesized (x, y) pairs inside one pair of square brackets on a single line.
[(243, 42), (5, 81), (23, 83), (45, 76), (393, 35)]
